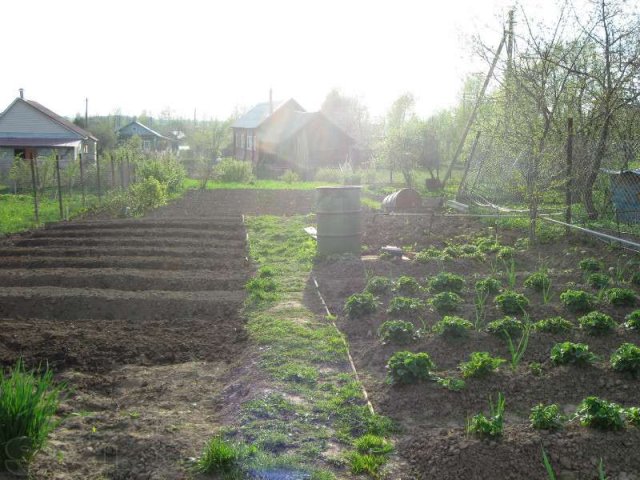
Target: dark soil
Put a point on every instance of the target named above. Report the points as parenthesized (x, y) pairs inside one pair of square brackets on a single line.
[(433, 439)]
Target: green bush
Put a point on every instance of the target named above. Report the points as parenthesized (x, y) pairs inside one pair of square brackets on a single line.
[(446, 302), (511, 325), (407, 367), (480, 364), (577, 300), (620, 297), (290, 177), (233, 171), (546, 417), (633, 320), (405, 307), (538, 281), (147, 194), (378, 285), (553, 325), (511, 302), (568, 353), (626, 359), (598, 280), (406, 285), (398, 332), (491, 426), (590, 265), (331, 175), (598, 413), (488, 285), (487, 244), (446, 282), (168, 171), (425, 256), (633, 416), (506, 253), (28, 402), (597, 323), (452, 326), (360, 304)]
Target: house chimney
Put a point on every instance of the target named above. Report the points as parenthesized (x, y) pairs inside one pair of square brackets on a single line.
[(270, 101), (22, 93)]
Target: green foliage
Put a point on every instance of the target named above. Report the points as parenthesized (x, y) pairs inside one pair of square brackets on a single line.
[(220, 456), (511, 302), (360, 304), (598, 280), (511, 325), (506, 253), (452, 326), (480, 364), (426, 256), (446, 302), (378, 285), (373, 445), (491, 426), (633, 416), (407, 367), (553, 325), (568, 353), (633, 320), (398, 332), (290, 177), (535, 368), (626, 359), (597, 323), (538, 281), (147, 194), (517, 350), (446, 282), (620, 297), (598, 413), (488, 285), (546, 417), (577, 300), (168, 171), (28, 402), (237, 171), (367, 464), (406, 285), (405, 307), (262, 287), (590, 265), (635, 279)]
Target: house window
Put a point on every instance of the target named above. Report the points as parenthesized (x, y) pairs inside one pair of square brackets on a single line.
[(242, 143), (146, 145), (249, 142)]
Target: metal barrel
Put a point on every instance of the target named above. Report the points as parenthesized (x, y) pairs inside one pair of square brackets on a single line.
[(338, 213)]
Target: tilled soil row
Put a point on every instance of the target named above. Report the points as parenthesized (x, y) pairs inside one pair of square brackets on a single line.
[(187, 232), (130, 242)]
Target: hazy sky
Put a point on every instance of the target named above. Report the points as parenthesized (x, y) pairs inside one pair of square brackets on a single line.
[(220, 55)]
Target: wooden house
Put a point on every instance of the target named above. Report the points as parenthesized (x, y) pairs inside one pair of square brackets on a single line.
[(278, 136), (152, 141), (32, 131)]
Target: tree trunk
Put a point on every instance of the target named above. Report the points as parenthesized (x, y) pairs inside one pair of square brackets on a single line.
[(601, 148)]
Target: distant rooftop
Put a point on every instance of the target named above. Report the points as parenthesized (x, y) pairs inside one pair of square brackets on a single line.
[(258, 114)]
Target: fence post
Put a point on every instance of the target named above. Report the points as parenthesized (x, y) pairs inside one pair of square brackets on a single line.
[(59, 185), (113, 171), (98, 177), (569, 172), (35, 191), (81, 179)]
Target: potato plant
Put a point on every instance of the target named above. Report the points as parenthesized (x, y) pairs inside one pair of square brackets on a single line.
[(407, 286), (626, 359), (452, 326), (546, 417), (598, 413), (480, 364), (598, 280), (407, 367), (446, 302), (491, 426), (633, 320), (511, 302), (378, 285), (568, 353), (538, 281), (577, 301), (446, 282), (360, 304), (553, 325), (511, 325), (488, 285), (597, 323), (398, 332), (620, 297), (405, 307), (590, 265)]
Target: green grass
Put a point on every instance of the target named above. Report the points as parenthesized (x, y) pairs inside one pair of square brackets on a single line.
[(192, 183)]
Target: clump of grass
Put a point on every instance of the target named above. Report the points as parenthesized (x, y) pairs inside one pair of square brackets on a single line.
[(446, 302), (620, 297), (626, 359), (446, 282), (506, 253), (399, 332), (633, 320), (509, 325), (491, 426), (566, 353), (365, 464), (360, 304), (597, 323), (407, 367), (553, 325), (577, 301), (220, 456), (598, 413), (406, 285), (480, 364), (598, 280), (518, 350), (546, 417), (405, 307), (590, 264), (263, 287), (511, 302), (28, 403), (452, 326), (373, 445)]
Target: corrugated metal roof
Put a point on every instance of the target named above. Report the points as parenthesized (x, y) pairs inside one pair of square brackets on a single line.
[(61, 120), (258, 114)]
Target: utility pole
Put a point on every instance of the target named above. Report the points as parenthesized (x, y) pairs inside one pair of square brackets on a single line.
[(86, 113)]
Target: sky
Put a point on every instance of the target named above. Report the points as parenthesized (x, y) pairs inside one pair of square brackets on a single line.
[(217, 57)]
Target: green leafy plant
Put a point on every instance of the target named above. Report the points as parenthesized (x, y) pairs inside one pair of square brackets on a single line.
[(626, 359), (506, 253), (446, 302), (406, 307), (365, 463), (597, 323), (373, 445), (598, 280), (220, 456), (597, 413), (510, 272), (635, 279), (491, 426), (518, 350), (551, 474), (535, 368), (406, 285), (407, 367), (378, 285), (233, 171), (488, 285), (290, 176), (430, 254), (511, 302), (553, 325), (590, 265), (360, 304), (633, 320), (28, 403), (577, 300), (480, 364), (452, 326), (633, 416), (446, 282), (566, 353), (546, 417), (511, 325), (620, 297), (538, 281), (398, 332)]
